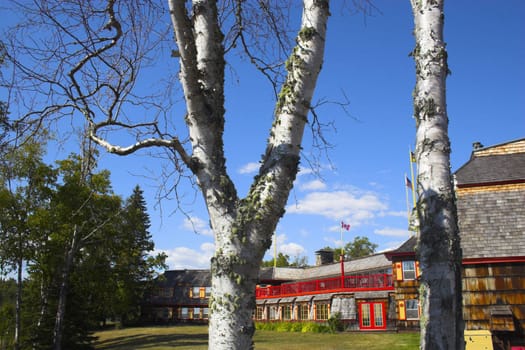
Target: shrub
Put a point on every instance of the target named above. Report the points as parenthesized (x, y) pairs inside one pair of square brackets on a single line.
[(283, 326), (335, 324), (296, 327), (303, 327), (312, 327)]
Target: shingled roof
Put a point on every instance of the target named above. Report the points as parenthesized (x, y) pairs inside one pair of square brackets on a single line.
[(375, 263), (491, 202), (492, 169), (186, 278), (407, 249)]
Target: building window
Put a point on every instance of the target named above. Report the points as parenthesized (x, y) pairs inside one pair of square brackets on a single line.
[(321, 312), (184, 313), (412, 309), (365, 315), (286, 310), (205, 313), (378, 315), (197, 292), (304, 311), (259, 312), (409, 270), (274, 315), (208, 292)]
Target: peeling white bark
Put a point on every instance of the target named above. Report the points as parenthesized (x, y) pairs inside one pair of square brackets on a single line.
[(242, 228), (438, 243)]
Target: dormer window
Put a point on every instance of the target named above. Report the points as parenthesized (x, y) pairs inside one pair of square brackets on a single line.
[(409, 270)]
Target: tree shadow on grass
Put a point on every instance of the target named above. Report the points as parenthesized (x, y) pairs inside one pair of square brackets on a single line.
[(147, 341)]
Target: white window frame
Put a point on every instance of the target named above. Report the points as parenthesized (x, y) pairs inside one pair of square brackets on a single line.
[(409, 271), (412, 309)]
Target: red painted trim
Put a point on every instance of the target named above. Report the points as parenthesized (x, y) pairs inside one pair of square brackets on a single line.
[(327, 291), (378, 282), (494, 183), (372, 326), (497, 260)]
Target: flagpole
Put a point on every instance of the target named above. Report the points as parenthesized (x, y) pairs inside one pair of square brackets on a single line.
[(412, 160), (342, 257), (341, 232), (406, 195)]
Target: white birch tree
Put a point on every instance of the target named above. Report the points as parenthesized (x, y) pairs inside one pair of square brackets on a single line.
[(97, 62), (438, 244)]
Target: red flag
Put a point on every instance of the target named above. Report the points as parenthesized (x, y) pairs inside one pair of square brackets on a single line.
[(345, 226)]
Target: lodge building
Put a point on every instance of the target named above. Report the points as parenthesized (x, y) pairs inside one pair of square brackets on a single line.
[(380, 292)]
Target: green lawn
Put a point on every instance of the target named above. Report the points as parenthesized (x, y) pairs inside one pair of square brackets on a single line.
[(196, 338)]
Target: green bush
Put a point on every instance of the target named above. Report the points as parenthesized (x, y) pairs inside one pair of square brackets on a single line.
[(335, 324), (303, 327), (312, 327), (296, 326), (283, 326)]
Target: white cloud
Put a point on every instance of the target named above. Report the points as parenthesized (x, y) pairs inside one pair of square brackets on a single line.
[(392, 232), (292, 249), (249, 168), (188, 258), (288, 248), (314, 185), (339, 205), (197, 225)]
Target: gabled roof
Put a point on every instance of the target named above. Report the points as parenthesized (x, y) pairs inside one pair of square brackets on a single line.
[(407, 249), (479, 170), (492, 218), (498, 164), (197, 278)]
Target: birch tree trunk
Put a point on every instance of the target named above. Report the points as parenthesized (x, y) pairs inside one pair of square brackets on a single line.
[(64, 290), (18, 304), (242, 227), (438, 244)]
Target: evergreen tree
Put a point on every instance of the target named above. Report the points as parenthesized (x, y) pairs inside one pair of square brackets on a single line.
[(134, 267)]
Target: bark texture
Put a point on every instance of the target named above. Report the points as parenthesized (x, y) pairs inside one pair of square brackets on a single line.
[(438, 244), (243, 228)]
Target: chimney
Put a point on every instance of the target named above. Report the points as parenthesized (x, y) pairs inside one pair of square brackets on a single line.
[(324, 257), (477, 145)]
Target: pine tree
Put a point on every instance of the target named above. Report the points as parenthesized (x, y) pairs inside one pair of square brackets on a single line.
[(134, 267)]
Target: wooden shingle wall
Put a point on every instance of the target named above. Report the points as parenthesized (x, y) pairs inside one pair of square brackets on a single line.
[(506, 148), (492, 221), (489, 286)]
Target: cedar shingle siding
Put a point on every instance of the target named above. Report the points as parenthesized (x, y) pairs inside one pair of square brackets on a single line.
[(492, 223), (490, 191)]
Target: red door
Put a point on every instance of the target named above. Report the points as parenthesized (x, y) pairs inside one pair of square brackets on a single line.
[(372, 316)]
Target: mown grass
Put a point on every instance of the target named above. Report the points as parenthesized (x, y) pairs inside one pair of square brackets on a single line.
[(196, 338)]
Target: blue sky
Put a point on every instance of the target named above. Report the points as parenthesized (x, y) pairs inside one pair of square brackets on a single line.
[(362, 180)]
